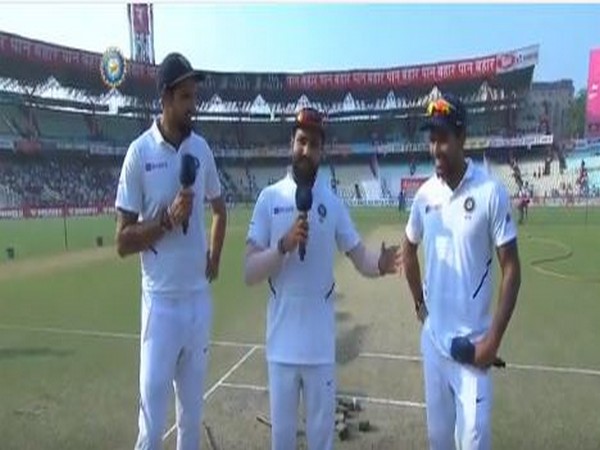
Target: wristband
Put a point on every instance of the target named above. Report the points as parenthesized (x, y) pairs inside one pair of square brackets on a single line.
[(165, 221)]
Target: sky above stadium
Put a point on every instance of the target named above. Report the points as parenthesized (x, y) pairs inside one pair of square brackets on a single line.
[(297, 37)]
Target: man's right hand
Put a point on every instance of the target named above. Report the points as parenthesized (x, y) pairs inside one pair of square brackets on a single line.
[(181, 208), (296, 235)]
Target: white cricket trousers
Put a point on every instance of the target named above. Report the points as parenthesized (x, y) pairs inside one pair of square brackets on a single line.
[(318, 387), (173, 356), (458, 399)]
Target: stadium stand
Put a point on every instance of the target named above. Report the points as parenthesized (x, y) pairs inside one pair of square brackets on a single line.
[(59, 124), (49, 182), (63, 134), (118, 129)]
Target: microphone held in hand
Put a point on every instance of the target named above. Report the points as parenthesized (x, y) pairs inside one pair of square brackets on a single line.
[(462, 350), (187, 177), (304, 200), (304, 172)]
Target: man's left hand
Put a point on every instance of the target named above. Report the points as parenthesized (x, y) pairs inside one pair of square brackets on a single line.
[(212, 267), (485, 353), (389, 259)]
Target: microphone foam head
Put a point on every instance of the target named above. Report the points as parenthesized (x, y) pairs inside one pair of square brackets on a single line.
[(189, 167), (304, 198)]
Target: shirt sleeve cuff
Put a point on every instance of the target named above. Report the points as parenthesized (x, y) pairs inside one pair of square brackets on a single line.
[(352, 244), (255, 240), (214, 195), (412, 235), (506, 239), (127, 207)]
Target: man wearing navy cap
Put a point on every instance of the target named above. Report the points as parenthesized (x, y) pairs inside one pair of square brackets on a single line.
[(164, 222), (462, 216)]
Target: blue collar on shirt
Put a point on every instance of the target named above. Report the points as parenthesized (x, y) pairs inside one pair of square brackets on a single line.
[(160, 138), (469, 174)]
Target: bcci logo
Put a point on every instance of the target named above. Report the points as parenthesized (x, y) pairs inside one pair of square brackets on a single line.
[(322, 212), (113, 67), (469, 204)]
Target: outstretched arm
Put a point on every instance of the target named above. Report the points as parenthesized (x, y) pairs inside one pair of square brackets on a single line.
[(372, 264), (410, 262)]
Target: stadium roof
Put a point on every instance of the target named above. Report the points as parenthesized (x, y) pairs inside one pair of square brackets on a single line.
[(32, 63)]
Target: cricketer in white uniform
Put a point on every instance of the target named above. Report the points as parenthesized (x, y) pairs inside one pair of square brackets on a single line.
[(177, 266), (300, 336), (461, 215)]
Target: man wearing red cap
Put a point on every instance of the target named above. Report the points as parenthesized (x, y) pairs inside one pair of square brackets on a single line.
[(296, 226)]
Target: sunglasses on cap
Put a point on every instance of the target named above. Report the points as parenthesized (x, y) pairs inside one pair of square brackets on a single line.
[(444, 113), (439, 107)]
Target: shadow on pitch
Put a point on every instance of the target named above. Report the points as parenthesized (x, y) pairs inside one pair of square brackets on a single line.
[(349, 344), (32, 352)]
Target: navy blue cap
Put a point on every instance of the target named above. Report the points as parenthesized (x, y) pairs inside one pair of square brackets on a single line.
[(447, 113), (174, 69)]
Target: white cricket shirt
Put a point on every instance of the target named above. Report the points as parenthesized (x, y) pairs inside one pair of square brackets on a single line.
[(300, 312), (149, 182), (460, 231)]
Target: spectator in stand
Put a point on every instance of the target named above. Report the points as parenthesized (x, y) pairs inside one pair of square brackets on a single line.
[(413, 167), (44, 182)]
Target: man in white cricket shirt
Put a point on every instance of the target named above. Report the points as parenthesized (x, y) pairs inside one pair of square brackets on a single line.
[(462, 216), (164, 222), (300, 338)]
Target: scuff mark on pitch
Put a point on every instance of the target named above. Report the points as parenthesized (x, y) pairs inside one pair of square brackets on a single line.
[(342, 316)]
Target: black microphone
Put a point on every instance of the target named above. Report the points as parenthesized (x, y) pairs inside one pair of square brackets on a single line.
[(304, 200), (187, 177)]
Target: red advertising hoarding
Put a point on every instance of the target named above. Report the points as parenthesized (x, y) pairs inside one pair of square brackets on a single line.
[(593, 96), (477, 68)]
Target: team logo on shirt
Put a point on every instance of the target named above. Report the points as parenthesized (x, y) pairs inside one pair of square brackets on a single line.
[(430, 208), (469, 204), (322, 211)]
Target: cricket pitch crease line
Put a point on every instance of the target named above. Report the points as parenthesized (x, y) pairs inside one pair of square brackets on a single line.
[(391, 356), (530, 367), (108, 334), (373, 400), (218, 384)]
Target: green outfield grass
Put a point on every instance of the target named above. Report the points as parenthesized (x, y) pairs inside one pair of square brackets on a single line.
[(73, 391)]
